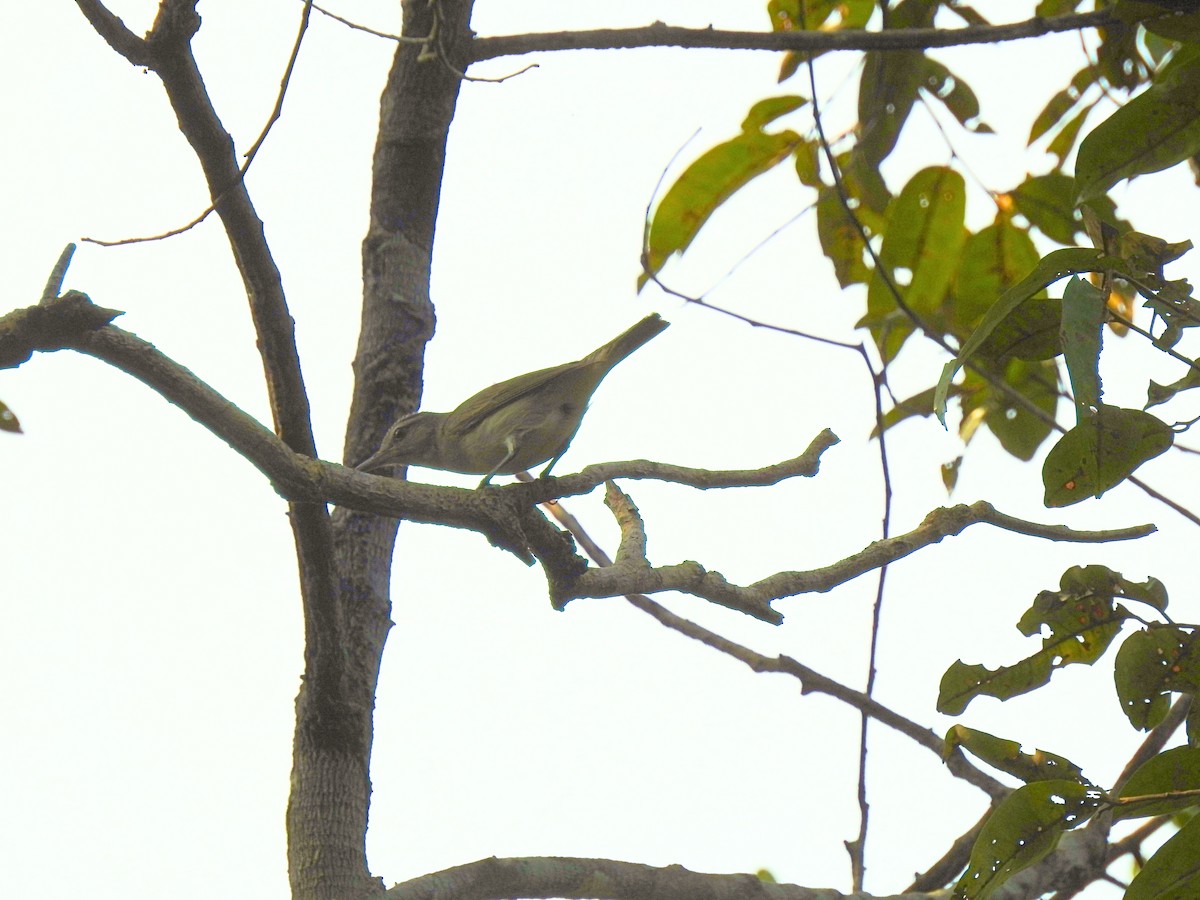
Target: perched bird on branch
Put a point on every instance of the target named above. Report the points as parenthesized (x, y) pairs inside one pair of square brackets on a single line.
[(511, 426)]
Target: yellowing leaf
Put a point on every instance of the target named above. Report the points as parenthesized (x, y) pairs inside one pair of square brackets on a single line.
[(710, 181)]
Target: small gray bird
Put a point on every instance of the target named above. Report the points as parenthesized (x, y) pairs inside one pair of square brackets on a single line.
[(512, 426)]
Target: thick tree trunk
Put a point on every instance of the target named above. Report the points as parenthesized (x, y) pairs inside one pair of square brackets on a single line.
[(327, 814)]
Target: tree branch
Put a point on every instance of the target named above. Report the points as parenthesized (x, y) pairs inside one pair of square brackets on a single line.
[(662, 35), (811, 681), (167, 52), (807, 465), (1155, 740), (115, 32), (636, 576), (558, 876), (507, 516)]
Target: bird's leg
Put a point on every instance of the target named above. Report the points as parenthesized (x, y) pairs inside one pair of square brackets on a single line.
[(510, 447), (545, 473)]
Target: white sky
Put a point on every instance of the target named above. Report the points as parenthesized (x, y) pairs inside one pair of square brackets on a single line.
[(151, 632)]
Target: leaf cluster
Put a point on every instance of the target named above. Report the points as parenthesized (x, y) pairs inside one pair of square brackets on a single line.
[(1079, 623), (986, 293)]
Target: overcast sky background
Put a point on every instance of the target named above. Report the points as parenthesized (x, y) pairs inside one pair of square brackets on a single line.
[(151, 631)]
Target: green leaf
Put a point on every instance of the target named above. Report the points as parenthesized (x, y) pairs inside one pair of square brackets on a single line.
[(1171, 21), (1082, 617), (1031, 332), (956, 95), (764, 112), (1048, 202), (1151, 665), (1054, 266), (1047, 8), (1101, 452), (1019, 431), (786, 16), (793, 15), (1083, 315), (1006, 756), (1063, 102), (1147, 253), (1154, 131), (1096, 581), (918, 405), (1173, 872), (924, 233), (808, 163), (1024, 828), (888, 90), (706, 184), (840, 239), (889, 83), (992, 261), (1175, 304), (968, 14), (1171, 771), (864, 184), (1160, 393), (8, 420), (1063, 142)]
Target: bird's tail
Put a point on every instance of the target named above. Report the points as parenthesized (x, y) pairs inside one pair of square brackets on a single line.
[(625, 343)]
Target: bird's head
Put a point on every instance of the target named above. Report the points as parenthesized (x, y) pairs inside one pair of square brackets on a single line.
[(412, 440)]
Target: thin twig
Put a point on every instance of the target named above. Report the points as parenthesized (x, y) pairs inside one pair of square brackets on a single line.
[(661, 35), (57, 275), (1155, 740), (812, 681), (276, 114)]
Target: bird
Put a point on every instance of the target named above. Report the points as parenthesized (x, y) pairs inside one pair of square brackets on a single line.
[(511, 426)]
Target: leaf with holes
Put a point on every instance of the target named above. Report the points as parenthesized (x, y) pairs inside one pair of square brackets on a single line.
[(1023, 829), (1100, 452), (1151, 665), (1082, 618), (1007, 756)]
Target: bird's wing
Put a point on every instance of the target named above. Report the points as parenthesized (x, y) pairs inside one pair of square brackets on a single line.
[(492, 399)]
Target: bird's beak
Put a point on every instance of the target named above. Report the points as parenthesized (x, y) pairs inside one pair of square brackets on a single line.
[(376, 461)]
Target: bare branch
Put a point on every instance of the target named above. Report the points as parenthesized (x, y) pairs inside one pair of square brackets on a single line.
[(558, 876), (953, 861), (1155, 740), (506, 516), (1133, 841), (806, 465), (811, 681), (167, 51), (55, 282), (115, 33), (276, 114), (662, 35), (755, 599), (355, 26)]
